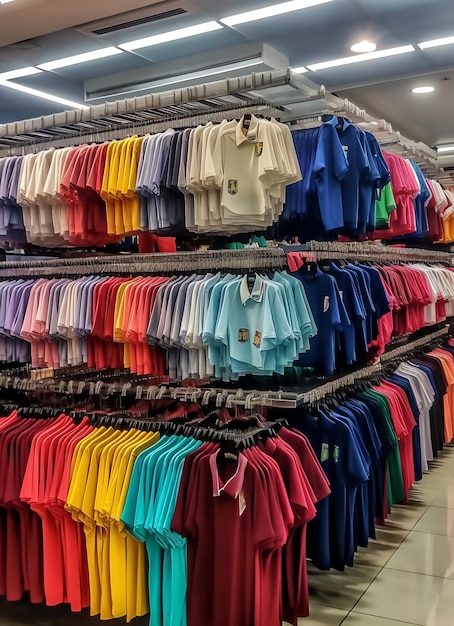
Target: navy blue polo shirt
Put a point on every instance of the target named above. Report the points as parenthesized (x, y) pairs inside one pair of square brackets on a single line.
[(357, 470), (330, 318), (355, 310), (373, 444)]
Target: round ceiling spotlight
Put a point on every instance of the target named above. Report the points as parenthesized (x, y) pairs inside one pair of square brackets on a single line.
[(364, 46), (423, 89)]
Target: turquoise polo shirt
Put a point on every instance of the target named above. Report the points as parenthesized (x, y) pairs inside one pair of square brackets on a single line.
[(174, 566)]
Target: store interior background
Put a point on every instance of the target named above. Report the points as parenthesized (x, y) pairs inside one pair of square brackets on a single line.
[(37, 32)]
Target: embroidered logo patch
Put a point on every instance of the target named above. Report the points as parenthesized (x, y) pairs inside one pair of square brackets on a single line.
[(233, 186), (243, 335)]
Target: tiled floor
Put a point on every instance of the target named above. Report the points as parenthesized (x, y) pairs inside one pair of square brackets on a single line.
[(406, 576)]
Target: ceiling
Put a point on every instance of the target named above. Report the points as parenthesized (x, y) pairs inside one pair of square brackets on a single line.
[(33, 32)]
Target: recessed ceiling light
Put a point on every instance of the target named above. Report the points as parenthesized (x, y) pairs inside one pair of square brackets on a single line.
[(445, 148), (20, 73), (364, 46), (42, 94), (271, 11), (423, 89), (172, 35), (444, 41), (369, 56), (80, 58)]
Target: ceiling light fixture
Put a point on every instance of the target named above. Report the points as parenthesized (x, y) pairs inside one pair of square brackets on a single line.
[(434, 43), (369, 56), (5, 1), (20, 73), (445, 148), (423, 89), (80, 58), (271, 11), (172, 35), (364, 46), (42, 94), (300, 70)]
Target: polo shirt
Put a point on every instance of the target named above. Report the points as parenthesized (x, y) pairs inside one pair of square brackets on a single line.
[(330, 168), (230, 500), (330, 317)]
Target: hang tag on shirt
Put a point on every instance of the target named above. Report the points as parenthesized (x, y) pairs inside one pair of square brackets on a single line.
[(241, 503), (336, 454), (325, 452), (345, 149), (326, 304), (341, 293), (259, 148)]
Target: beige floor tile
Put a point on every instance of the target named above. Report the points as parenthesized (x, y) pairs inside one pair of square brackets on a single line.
[(413, 598), (405, 516), (358, 619), (424, 553), (340, 590), (445, 497), (379, 550), (323, 616), (436, 520), (423, 494), (435, 480)]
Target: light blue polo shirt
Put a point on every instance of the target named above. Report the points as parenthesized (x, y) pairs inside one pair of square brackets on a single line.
[(247, 322)]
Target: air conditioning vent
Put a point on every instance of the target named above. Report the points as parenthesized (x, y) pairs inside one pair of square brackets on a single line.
[(142, 21), (133, 22)]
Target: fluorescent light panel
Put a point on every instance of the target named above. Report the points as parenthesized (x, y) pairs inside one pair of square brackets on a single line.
[(20, 73), (300, 70), (5, 1), (42, 94), (80, 58), (172, 35), (445, 148), (271, 11), (434, 43), (368, 56)]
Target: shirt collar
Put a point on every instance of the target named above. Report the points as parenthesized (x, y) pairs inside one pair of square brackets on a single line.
[(257, 289), (252, 131), (234, 484)]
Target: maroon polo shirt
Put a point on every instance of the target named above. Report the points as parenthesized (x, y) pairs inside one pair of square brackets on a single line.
[(226, 521)]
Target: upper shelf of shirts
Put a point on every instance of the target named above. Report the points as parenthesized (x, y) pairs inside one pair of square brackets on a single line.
[(279, 93)]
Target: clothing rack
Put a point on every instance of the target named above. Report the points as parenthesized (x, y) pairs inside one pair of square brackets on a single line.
[(368, 251), (271, 91), (156, 263), (278, 93), (222, 397), (390, 356)]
